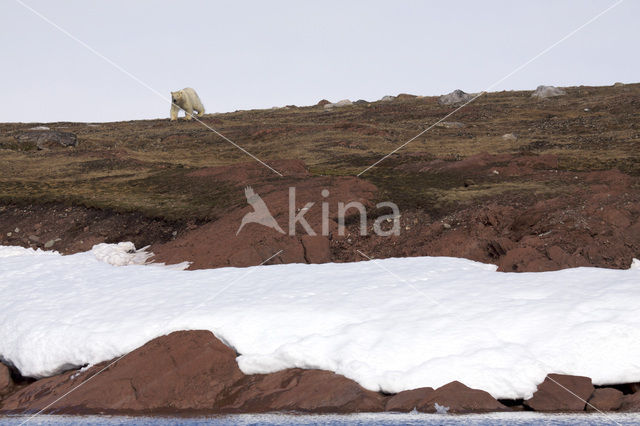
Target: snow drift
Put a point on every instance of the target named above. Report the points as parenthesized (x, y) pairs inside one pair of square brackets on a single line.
[(391, 325)]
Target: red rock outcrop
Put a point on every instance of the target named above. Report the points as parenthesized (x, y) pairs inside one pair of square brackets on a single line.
[(191, 372), (6, 383), (181, 371), (295, 389), (561, 392)]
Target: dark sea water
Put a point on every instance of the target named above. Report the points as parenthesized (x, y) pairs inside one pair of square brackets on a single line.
[(518, 419)]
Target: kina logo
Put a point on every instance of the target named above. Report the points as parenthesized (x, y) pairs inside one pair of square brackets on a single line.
[(260, 213)]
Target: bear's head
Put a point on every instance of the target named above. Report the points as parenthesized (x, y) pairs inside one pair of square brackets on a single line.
[(176, 96)]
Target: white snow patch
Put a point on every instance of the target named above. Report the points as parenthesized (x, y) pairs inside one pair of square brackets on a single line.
[(391, 325), (440, 409), (125, 253)]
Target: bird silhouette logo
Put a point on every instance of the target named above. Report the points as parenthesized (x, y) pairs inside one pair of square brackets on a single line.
[(260, 213)]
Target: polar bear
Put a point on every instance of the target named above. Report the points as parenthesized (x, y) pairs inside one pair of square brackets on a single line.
[(186, 99)]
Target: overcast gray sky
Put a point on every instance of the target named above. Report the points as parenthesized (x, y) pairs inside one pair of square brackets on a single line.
[(244, 54)]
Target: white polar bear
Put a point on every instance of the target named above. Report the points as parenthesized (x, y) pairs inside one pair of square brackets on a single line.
[(186, 99)]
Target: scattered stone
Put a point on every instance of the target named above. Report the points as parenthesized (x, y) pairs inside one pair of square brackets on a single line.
[(46, 139), (34, 238), (561, 392), (618, 84), (387, 98), (16, 230), (451, 124), (543, 92), (6, 383), (339, 104), (50, 243), (445, 225), (455, 97), (510, 137), (39, 128), (587, 110), (605, 399), (9, 234), (468, 182)]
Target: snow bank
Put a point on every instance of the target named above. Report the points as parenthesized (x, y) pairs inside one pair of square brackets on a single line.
[(391, 325)]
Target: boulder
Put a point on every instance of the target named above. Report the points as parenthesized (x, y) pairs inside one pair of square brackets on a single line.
[(510, 137), (6, 382), (453, 397), (387, 98), (316, 248), (409, 400), (185, 370), (455, 97), (339, 104), (631, 403), (605, 399), (47, 139), (323, 102), (458, 398), (543, 92), (561, 392)]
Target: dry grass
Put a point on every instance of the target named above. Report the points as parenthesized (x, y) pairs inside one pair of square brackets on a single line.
[(143, 165)]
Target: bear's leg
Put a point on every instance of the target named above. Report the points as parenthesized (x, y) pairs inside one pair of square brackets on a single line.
[(174, 112), (200, 111), (188, 111)]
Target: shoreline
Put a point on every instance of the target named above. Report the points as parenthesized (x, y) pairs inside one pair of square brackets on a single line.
[(211, 384)]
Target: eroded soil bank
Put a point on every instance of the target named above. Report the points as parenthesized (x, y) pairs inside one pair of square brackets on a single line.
[(593, 219)]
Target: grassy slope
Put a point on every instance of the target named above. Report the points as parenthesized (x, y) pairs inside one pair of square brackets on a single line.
[(144, 165)]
